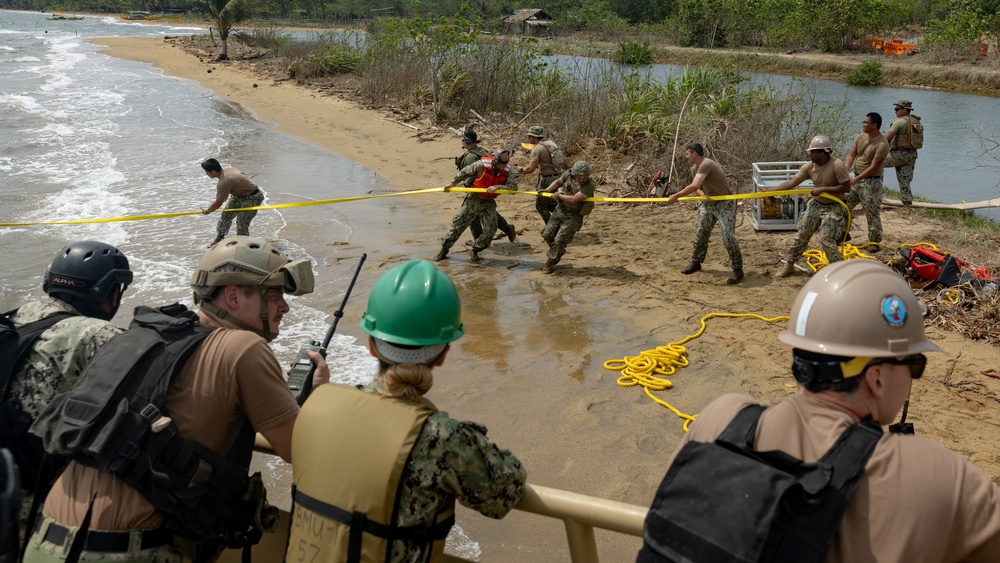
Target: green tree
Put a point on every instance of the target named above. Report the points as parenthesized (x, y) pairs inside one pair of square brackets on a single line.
[(226, 14)]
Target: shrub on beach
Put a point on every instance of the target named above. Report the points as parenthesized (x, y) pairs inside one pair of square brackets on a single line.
[(868, 73)]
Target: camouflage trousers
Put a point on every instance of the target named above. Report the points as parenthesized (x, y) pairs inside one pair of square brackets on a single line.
[(545, 205), (869, 193), (44, 551), (903, 161), (560, 230), (473, 208), (723, 212), (829, 220), (243, 218)]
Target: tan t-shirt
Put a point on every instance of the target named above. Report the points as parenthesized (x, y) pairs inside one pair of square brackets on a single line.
[(866, 149), (715, 180), (232, 181), (916, 501), (233, 376), (545, 164), (833, 173)]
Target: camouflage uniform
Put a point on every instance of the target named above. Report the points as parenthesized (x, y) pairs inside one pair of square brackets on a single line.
[(475, 207), (49, 552), (723, 212), (243, 218), (472, 155), (868, 192), (829, 220), (565, 221), (56, 360), (903, 160), (450, 460)]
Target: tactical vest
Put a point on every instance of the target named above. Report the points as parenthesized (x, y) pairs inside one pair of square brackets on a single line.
[(15, 345), (115, 419), (347, 482), (557, 160), (491, 176), (724, 502), (913, 137)]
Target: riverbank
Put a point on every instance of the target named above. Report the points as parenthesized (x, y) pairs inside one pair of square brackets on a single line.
[(530, 367)]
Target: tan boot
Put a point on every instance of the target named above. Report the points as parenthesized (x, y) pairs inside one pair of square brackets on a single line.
[(786, 270), (475, 259), (736, 278), (441, 255), (548, 267)]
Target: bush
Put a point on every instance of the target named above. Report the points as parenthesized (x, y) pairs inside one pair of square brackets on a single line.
[(633, 53), (327, 61), (868, 73)]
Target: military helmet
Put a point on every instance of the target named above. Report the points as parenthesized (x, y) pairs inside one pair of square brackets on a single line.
[(536, 131), (820, 142), (857, 308), (580, 167), (249, 261), (496, 155), (87, 270), (413, 311)]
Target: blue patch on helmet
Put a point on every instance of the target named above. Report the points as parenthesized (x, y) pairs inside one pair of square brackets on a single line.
[(894, 311)]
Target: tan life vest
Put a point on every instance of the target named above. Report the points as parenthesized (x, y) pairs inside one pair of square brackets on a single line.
[(349, 451)]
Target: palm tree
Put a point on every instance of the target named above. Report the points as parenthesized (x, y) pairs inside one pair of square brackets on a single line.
[(226, 14)]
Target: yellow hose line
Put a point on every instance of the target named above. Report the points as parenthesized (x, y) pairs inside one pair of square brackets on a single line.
[(816, 259), (359, 198), (646, 368)]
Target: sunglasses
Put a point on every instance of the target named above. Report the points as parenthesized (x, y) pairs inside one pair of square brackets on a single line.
[(916, 363)]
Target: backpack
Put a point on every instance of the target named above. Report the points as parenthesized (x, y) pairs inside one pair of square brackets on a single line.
[(557, 154), (774, 506), (115, 419), (914, 133), (15, 345)]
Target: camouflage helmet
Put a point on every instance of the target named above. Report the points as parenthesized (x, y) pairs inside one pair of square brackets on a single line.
[(536, 131), (88, 271), (857, 309), (580, 168), (820, 142), (249, 261)]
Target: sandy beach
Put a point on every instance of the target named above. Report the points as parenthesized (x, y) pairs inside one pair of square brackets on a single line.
[(531, 365)]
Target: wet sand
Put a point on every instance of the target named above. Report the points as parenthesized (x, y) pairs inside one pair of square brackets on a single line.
[(531, 364)]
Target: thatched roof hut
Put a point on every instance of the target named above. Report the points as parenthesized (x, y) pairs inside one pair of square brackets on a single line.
[(530, 21)]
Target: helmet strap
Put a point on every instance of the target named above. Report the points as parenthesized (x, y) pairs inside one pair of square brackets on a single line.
[(224, 315)]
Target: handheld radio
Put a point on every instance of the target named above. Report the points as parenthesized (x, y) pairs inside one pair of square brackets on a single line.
[(301, 376)]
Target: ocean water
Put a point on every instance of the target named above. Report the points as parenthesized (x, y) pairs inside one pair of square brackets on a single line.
[(84, 135)]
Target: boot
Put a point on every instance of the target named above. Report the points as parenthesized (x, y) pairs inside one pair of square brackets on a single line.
[(548, 267), (786, 270), (691, 268), (475, 259), (511, 232), (216, 241), (441, 255), (736, 278)]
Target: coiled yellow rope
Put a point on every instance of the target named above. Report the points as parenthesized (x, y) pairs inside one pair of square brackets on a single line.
[(816, 259), (646, 368)]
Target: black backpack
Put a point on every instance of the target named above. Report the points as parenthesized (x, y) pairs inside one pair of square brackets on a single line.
[(15, 344), (723, 502), (115, 419)]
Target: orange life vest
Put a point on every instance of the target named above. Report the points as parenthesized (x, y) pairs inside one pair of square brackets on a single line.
[(491, 176)]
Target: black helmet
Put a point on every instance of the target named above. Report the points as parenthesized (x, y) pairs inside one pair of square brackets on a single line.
[(87, 271)]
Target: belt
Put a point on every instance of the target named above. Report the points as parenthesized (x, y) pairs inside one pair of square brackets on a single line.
[(108, 542)]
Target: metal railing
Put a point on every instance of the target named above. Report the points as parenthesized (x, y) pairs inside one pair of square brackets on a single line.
[(580, 514)]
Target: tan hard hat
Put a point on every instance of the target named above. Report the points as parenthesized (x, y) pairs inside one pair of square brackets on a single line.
[(820, 142), (857, 308)]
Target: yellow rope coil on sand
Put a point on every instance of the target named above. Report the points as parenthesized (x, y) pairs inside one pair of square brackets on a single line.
[(816, 259), (646, 368)]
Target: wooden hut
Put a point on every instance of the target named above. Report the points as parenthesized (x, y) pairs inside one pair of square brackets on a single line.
[(530, 21)]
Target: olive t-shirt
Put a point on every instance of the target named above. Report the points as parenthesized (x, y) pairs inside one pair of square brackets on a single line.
[(833, 173), (866, 149)]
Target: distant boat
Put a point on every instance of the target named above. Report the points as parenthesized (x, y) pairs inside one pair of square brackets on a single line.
[(135, 15), (58, 16)]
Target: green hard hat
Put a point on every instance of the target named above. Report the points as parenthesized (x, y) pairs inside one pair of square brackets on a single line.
[(414, 304)]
